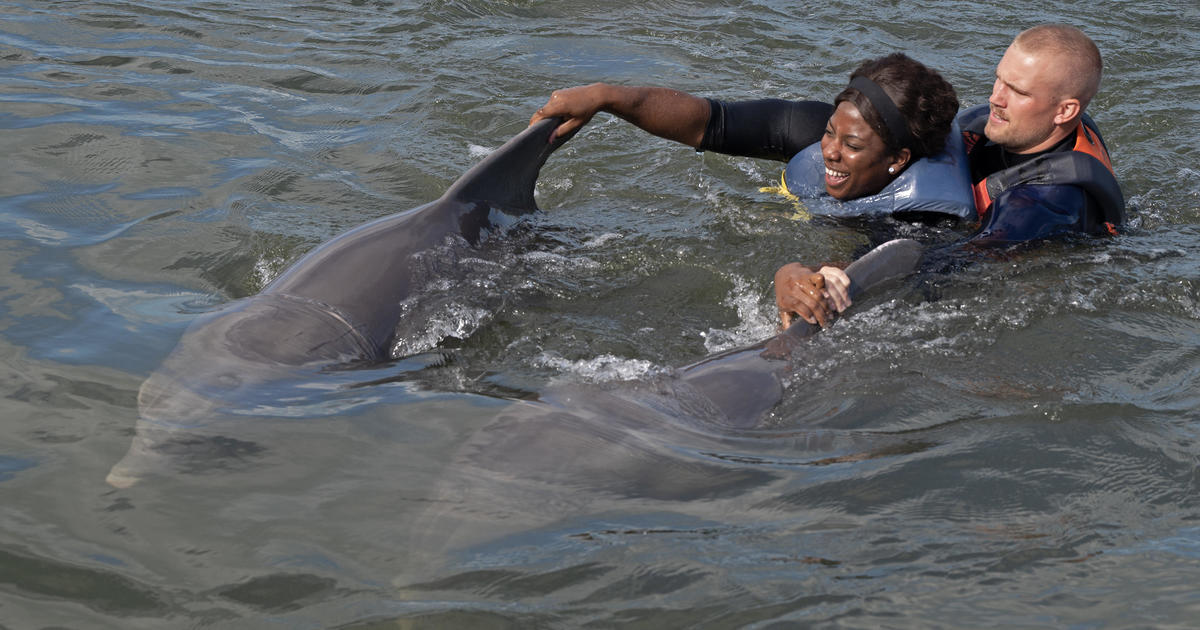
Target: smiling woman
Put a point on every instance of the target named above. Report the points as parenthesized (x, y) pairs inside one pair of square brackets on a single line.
[(894, 111), (857, 160)]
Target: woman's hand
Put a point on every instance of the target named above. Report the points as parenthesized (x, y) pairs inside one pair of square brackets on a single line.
[(810, 295), (664, 112), (576, 106)]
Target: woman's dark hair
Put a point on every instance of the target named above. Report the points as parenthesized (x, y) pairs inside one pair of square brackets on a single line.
[(927, 102)]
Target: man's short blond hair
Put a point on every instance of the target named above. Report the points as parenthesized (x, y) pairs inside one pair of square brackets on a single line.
[(1074, 53)]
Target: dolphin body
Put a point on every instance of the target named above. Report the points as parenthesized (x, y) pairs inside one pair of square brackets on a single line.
[(745, 383), (683, 448), (337, 305), (737, 387), (340, 304)]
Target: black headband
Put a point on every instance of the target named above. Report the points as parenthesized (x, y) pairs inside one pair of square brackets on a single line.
[(886, 108)]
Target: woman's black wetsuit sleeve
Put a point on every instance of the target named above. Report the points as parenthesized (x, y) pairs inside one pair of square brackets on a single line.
[(773, 129)]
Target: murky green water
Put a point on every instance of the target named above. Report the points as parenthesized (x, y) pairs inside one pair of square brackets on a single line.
[(1013, 445)]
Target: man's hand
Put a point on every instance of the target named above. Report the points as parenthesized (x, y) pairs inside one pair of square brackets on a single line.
[(837, 287)]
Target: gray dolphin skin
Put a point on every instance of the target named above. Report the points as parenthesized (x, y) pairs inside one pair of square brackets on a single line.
[(337, 305), (745, 383), (693, 442)]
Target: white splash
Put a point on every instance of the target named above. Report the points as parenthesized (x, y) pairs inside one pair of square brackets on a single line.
[(600, 369), (756, 320)]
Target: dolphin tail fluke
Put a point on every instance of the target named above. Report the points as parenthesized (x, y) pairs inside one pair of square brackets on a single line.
[(506, 177)]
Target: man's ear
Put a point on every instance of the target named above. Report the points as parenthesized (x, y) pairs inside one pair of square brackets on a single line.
[(1069, 110)]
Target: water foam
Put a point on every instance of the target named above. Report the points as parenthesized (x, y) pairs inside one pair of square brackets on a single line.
[(756, 320), (600, 369)]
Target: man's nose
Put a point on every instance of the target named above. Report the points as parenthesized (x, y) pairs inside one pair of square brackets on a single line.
[(998, 97)]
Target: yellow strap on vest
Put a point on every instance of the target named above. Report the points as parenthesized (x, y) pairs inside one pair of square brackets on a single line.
[(802, 213)]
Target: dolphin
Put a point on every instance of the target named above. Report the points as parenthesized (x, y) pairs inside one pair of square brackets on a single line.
[(735, 388), (338, 305), (689, 443)]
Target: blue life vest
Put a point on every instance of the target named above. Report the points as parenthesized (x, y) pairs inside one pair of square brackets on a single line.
[(939, 184)]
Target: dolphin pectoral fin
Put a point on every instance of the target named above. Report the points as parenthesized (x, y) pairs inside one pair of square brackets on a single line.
[(892, 260), (742, 396)]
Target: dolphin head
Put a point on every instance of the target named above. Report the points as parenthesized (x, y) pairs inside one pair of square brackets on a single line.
[(179, 411), (228, 361)]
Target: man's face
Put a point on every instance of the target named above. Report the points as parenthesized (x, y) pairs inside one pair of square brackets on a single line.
[(1024, 102)]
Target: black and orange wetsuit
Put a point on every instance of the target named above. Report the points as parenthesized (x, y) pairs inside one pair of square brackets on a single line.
[(1070, 187)]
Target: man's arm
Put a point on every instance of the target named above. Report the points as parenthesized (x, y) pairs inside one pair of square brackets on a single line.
[(1032, 212)]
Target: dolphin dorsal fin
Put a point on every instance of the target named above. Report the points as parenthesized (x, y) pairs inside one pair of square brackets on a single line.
[(506, 177)]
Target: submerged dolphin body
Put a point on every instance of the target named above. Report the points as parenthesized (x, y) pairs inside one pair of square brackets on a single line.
[(682, 447), (337, 305)]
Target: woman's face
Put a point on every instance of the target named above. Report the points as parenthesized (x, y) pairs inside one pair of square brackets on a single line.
[(856, 158)]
